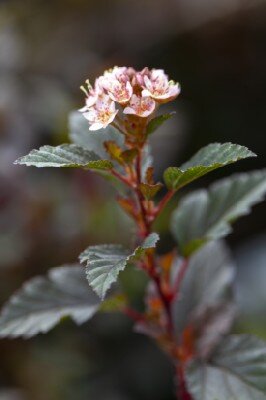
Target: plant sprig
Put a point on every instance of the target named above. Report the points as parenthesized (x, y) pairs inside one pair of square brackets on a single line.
[(189, 303)]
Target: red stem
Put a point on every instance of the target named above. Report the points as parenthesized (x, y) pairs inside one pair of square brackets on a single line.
[(144, 230), (182, 392), (151, 267), (121, 178), (140, 197), (167, 306), (163, 202), (166, 301), (134, 315)]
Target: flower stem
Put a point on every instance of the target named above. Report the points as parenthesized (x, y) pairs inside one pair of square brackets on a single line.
[(145, 218), (151, 268)]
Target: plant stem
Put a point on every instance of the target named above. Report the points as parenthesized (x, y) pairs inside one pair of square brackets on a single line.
[(135, 315), (121, 178), (151, 262), (119, 128), (144, 224), (165, 300), (163, 202), (182, 393), (140, 198)]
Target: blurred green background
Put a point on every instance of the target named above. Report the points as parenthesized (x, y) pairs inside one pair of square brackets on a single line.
[(216, 49)]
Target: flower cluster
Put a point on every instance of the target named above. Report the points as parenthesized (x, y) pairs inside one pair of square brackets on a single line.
[(132, 92)]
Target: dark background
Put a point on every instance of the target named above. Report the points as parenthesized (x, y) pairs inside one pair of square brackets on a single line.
[(216, 49)]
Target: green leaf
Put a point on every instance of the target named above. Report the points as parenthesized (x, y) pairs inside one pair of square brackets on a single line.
[(65, 155), (236, 371), (156, 122), (105, 262), (94, 141), (118, 154), (114, 151), (43, 301), (149, 191), (128, 156), (205, 287), (208, 214), (207, 159), (114, 303)]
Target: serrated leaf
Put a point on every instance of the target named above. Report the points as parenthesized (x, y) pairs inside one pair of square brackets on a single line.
[(236, 371), (208, 214), (205, 286), (105, 262), (128, 206), (65, 155), (41, 303), (156, 122), (209, 158), (149, 191), (94, 141), (128, 156), (212, 325), (113, 150), (118, 154), (149, 175)]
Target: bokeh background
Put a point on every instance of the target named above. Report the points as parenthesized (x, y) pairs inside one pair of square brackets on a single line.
[(216, 49)]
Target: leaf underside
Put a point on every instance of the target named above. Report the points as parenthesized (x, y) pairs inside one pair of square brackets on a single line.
[(208, 214), (209, 158), (43, 301), (236, 371), (206, 284), (105, 262)]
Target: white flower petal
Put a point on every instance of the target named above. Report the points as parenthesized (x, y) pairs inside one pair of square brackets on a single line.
[(112, 117), (89, 115), (83, 109), (148, 83), (129, 110), (146, 93), (96, 126), (91, 100)]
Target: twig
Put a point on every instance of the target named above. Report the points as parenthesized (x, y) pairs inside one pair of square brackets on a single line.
[(134, 314), (163, 203), (122, 178), (182, 392)]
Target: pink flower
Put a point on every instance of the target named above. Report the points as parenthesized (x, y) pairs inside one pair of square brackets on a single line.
[(140, 106), (139, 77), (117, 84), (157, 86), (130, 71), (138, 92), (91, 93), (102, 113)]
